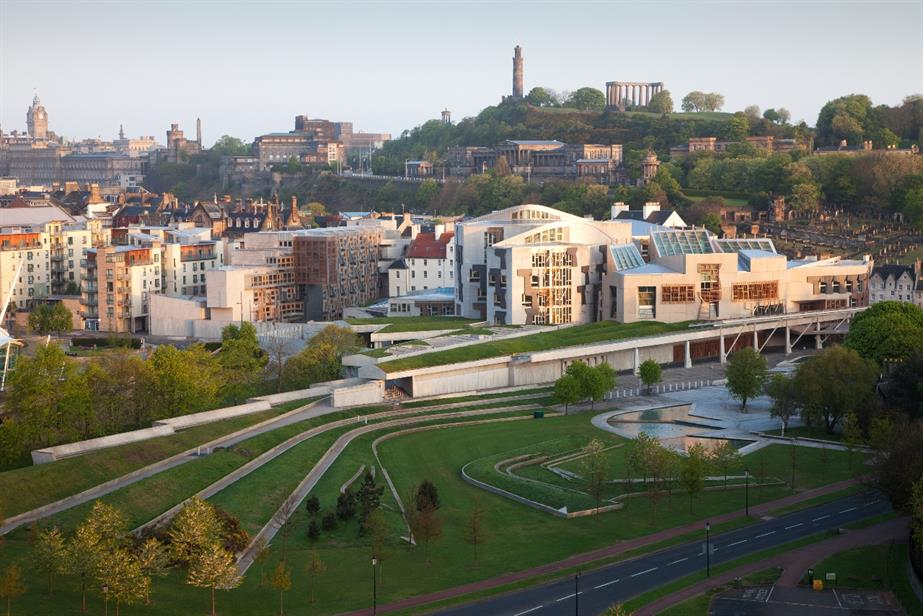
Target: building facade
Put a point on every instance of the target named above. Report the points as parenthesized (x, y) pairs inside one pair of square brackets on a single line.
[(428, 264), (540, 159), (897, 283)]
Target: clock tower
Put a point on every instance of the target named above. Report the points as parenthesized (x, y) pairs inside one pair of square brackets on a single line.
[(37, 120)]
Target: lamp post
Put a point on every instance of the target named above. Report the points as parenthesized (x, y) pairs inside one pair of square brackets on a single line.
[(747, 494), (106, 597), (577, 593), (374, 587), (707, 550)]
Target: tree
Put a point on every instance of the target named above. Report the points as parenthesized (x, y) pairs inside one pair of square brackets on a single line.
[(641, 457), (784, 115), (694, 101), (183, 381), (772, 115), (315, 363), (153, 557), (785, 397), (737, 127), (316, 567), (661, 102), (746, 375), (567, 391), (836, 382), (103, 532), (650, 374), (476, 533), (427, 495), (589, 99), (51, 318), (376, 529), (752, 112), (342, 339), (214, 568), (313, 530), (595, 470), (852, 435), (369, 497), (805, 197), (282, 581), (11, 585), (426, 529), (692, 471), (82, 558), (329, 521), (539, 97), (887, 331), (242, 361), (230, 146), (120, 574), (712, 222), (195, 529), (725, 457), (603, 382), (50, 555), (312, 505), (260, 556)]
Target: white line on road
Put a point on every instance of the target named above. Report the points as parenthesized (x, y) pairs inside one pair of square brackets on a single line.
[(606, 584), (677, 561), (730, 545), (643, 572), (848, 510), (538, 607), (870, 504), (570, 596), (772, 532), (794, 526), (823, 517)]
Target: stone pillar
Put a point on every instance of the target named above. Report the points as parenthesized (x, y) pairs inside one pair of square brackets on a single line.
[(687, 362), (637, 369), (635, 94), (722, 356), (756, 341), (818, 342), (788, 340), (647, 95)]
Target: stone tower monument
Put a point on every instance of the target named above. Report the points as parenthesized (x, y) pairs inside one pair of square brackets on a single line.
[(446, 116), (517, 74), (649, 167), (198, 130), (37, 120)]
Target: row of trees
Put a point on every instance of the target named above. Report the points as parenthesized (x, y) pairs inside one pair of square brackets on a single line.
[(56, 399), (583, 99), (580, 382)]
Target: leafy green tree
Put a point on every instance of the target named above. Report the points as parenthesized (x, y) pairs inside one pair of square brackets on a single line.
[(539, 97), (369, 497), (346, 506), (182, 381), (214, 568), (694, 101), (641, 455), (587, 99), (567, 391), (316, 363), (50, 555), (117, 384), (194, 529), (737, 127), (650, 373), (51, 318), (887, 331), (342, 339), (852, 435), (427, 495), (11, 585), (712, 222), (661, 102), (595, 470), (120, 573), (898, 463), (312, 505), (713, 102), (725, 457), (313, 530), (316, 568), (282, 581), (805, 198), (746, 375), (772, 115), (692, 471), (241, 360), (834, 383), (230, 146), (783, 392)]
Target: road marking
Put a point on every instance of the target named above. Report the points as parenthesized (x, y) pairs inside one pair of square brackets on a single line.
[(823, 517), (794, 526), (770, 593), (730, 545), (570, 596), (870, 504), (677, 561), (848, 510), (531, 610), (772, 532), (606, 584), (837, 598), (643, 572)]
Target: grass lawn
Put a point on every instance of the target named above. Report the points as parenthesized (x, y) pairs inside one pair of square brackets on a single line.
[(730, 201), (876, 567), (55, 480), (602, 331), (413, 324)]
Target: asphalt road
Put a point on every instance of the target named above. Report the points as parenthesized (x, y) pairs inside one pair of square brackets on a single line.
[(593, 592)]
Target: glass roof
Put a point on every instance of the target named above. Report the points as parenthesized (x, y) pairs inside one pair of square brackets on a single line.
[(736, 245), (626, 256), (682, 242)]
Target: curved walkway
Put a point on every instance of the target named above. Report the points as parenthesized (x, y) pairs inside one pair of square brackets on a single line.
[(610, 551), (794, 563), (282, 514), (308, 411)]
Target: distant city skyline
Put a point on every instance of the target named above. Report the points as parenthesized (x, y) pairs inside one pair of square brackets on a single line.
[(248, 68)]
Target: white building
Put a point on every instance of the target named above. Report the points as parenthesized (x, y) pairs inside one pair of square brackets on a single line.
[(428, 264), (897, 283)]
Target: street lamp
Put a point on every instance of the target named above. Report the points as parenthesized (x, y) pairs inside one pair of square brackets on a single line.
[(747, 493), (374, 587), (577, 593), (707, 550), (106, 597)]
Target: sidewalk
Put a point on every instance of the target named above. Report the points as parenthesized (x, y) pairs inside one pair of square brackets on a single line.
[(794, 563), (756, 511)]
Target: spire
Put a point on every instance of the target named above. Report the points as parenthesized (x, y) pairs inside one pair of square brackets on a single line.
[(121, 132), (198, 130)]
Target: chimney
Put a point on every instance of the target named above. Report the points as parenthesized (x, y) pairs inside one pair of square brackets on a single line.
[(617, 208), (867, 145), (649, 208)]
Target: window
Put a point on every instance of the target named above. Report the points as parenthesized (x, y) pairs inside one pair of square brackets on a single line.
[(647, 300), (474, 276), (823, 287), (755, 291), (677, 294)]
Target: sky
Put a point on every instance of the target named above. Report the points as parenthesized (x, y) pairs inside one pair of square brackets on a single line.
[(248, 68)]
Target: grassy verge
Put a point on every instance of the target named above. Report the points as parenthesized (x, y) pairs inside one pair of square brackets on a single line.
[(808, 432), (413, 324), (699, 604), (603, 331)]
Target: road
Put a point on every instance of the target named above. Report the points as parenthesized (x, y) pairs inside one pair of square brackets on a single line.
[(596, 590)]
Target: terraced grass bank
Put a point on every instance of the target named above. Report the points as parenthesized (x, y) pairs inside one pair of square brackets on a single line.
[(413, 324), (602, 331)]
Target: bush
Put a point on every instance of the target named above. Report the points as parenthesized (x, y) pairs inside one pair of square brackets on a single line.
[(314, 530), (312, 505), (329, 521), (234, 537), (346, 505), (113, 342)]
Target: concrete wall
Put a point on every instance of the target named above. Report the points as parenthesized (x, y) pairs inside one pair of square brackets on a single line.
[(354, 395), (50, 454), (196, 419)]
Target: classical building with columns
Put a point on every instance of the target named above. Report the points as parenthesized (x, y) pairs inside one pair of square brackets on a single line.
[(621, 94)]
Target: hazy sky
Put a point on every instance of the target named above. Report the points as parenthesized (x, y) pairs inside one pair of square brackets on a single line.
[(249, 67)]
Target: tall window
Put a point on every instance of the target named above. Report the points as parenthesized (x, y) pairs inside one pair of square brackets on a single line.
[(647, 302)]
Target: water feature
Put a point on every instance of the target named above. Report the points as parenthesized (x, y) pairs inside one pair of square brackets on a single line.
[(673, 426)]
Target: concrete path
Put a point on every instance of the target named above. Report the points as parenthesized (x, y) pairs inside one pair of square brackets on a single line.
[(616, 549), (284, 512), (308, 411), (794, 563)]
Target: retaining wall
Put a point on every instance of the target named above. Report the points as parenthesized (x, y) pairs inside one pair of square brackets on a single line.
[(196, 419), (370, 392), (69, 450)]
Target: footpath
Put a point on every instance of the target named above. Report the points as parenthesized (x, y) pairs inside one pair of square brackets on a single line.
[(794, 563), (616, 549)]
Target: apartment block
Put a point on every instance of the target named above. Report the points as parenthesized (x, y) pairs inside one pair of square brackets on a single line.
[(117, 284), (428, 264)]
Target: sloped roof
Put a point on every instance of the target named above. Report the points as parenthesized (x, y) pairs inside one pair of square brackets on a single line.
[(38, 215), (426, 246)]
